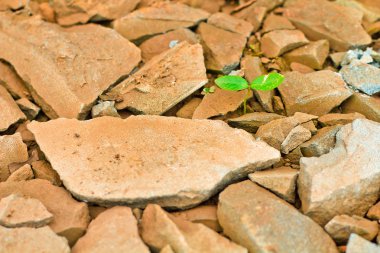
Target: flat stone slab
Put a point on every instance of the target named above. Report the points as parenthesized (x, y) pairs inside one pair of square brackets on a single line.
[(170, 161), (10, 113)]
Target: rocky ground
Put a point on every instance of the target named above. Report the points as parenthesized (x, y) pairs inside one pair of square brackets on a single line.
[(79, 172)]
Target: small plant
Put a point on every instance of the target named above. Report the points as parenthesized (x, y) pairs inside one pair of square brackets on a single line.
[(237, 83)]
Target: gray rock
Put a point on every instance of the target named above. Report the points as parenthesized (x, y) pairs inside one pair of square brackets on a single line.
[(357, 244)]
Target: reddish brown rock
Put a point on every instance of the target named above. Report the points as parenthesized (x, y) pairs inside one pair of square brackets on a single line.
[(251, 122), (369, 106), (12, 82), (296, 137), (276, 22), (10, 113), (252, 13), (230, 23), (374, 212), (189, 108), (295, 66), (332, 119)]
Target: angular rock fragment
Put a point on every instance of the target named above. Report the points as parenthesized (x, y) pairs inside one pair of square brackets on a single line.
[(30, 240), (366, 105), (332, 184), (114, 230), (332, 119), (159, 18), (252, 13), (278, 42), (189, 108), (163, 82), (322, 19), (10, 113), (251, 122), (295, 66), (43, 170), (357, 244), (337, 58), (149, 159), (104, 108), (71, 75), (230, 23), (12, 82), (160, 229), (315, 93), (23, 173), (374, 212), (296, 137), (262, 222), (30, 109), (275, 22), (17, 211)]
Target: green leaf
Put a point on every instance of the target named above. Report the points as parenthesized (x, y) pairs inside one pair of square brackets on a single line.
[(267, 82), (209, 90), (231, 83)]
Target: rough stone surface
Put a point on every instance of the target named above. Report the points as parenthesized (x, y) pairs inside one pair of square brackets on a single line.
[(10, 113), (104, 108), (296, 137), (332, 184), (12, 82), (252, 13), (321, 19), (316, 93), (189, 108), (160, 229), (357, 244), (163, 82), (23, 173), (71, 74), (342, 226), (70, 217), (114, 230), (182, 161), (251, 122), (230, 23), (262, 222), (30, 109), (276, 22), (332, 119), (31, 240), (281, 181), (374, 212), (366, 105), (43, 170)]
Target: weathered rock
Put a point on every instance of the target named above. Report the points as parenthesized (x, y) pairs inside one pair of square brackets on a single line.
[(310, 126), (332, 184), (159, 18), (278, 42), (23, 173), (12, 4), (332, 119), (222, 49), (163, 82), (278, 106), (12, 82), (47, 12), (281, 181), (167, 249), (70, 216), (262, 222), (369, 8), (366, 105), (71, 74), (43, 170), (252, 13), (16, 211), (160, 229), (189, 108), (112, 160), (275, 22), (10, 113), (296, 137), (114, 230), (321, 143), (362, 76), (12, 150), (30, 109), (230, 23), (104, 108), (315, 93), (337, 58), (312, 55), (374, 212), (357, 244), (342, 226), (160, 43), (31, 240), (295, 66), (321, 19), (252, 121)]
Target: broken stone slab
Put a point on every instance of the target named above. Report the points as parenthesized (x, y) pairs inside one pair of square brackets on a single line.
[(12, 82), (278, 42), (332, 119), (17, 211), (312, 55), (230, 23), (374, 212), (29, 109), (70, 216), (160, 229), (104, 108), (261, 222), (10, 113), (251, 13), (160, 43), (369, 106), (332, 184), (31, 240), (187, 111), (23, 173), (12, 4), (71, 75), (322, 19), (370, 9), (12, 150), (223, 49), (43, 170), (357, 244), (276, 22), (337, 58), (281, 181), (158, 18), (342, 226), (112, 160), (114, 230), (296, 137), (315, 93), (251, 122), (162, 82)]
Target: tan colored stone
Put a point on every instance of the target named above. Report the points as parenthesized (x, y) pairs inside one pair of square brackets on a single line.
[(332, 119), (205, 215), (222, 49), (251, 122), (160, 229), (23, 173), (12, 82), (337, 58), (32, 240), (159, 18), (332, 184), (189, 108), (47, 12), (114, 230), (12, 4), (12, 150), (278, 105), (230, 23), (71, 74), (374, 212), (10, 113), (26, 135), (295, 66), (70, 216), (312, 55), (342, 226), (210, 6), (278, 42), (281, 181), (296, 137), (95, 211), (163, 82), (104, 108), (321, 19), (310, 126), (276, 22), (112, 161), (43, 170), (315, 93), (30, 109), (369, 9), (16, 211), (253, 14), (160, 43), (167, 249), (357, 244), (369, 106), (262, 222)]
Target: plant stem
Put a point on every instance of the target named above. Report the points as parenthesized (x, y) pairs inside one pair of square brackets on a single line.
[(245, 100)]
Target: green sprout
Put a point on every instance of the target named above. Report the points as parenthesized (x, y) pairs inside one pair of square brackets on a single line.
[(209, 90), (237, 83)]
